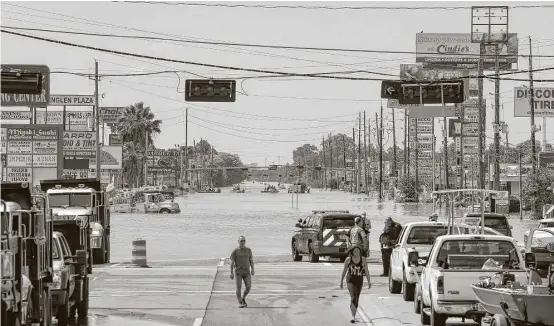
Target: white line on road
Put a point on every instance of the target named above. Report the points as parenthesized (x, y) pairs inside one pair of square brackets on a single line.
[(221, 262), (363, 315), (328, 264), (198, 321), (115, 265)]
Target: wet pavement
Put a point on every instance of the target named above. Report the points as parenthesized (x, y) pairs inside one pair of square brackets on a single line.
[(188, 282)]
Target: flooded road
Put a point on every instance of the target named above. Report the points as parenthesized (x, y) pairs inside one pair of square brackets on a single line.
[(209, 224)]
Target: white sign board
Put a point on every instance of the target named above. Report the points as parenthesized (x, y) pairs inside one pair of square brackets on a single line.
[(543, 102), (19, 174), (72, 100), (4, 140), (16, 115)]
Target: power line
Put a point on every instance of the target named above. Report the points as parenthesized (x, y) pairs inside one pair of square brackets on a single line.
[(316, 75), (227, 5), (288, 47)]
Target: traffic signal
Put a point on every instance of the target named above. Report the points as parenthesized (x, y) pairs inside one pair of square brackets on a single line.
[(210, 90), (14, 82), (437, 93)]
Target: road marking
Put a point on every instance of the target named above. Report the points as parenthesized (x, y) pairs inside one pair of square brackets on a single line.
[(221, 262), (328, 264), (198, 321), (115, 265)]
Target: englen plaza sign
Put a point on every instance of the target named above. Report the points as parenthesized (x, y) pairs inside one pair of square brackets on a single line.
[(543, 102)]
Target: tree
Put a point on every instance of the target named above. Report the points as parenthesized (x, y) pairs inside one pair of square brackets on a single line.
[(537, 190), (306, 154), (135, 125), (406, 185)]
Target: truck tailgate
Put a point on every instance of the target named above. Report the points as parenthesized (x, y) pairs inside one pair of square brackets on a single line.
[(457, 283)]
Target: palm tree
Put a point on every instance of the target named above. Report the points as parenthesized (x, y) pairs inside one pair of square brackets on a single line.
[(136, 122), (135, 126)]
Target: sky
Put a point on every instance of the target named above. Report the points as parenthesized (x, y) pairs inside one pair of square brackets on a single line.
[(271, 116)]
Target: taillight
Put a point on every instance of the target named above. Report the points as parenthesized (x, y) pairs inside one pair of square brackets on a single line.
[(440, 285)]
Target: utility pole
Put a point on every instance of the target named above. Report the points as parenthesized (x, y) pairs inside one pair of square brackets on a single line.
[(406, 145), (331, 154), (186, 146), (520, 188), (360, 150), (532, 104), (393, 144), (344, 157), (482, 116), (446, 166), (324, 166), (365, 157), (496, 183), (354, 172), (370, 173), (97, 125), (380, 144), (211, 166), (462, 119)]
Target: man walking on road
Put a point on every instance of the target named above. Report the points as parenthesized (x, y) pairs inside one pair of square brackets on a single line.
[(242, 267)]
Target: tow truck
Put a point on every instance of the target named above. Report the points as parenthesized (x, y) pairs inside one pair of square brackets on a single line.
[(26, 257), (83, 197)]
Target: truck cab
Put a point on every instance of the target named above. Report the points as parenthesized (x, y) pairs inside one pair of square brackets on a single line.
[(26, 259), (156, 202), (69, 198), (454, 263)]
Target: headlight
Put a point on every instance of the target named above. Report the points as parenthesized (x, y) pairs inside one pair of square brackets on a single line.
[(56, 283), (7, 264), (537, 243)]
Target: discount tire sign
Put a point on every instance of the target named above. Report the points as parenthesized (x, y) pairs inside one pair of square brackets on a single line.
[(543, 100)]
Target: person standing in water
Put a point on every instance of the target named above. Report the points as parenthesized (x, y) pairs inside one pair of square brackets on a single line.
[(242, 268), (355, 268)]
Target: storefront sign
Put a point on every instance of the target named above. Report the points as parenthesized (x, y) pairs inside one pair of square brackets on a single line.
[(72, 100), (543, 100), (19, 174)]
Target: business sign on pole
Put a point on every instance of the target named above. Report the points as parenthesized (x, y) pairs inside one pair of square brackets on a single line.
[(79, 144), (19, 174), (543, 100), (393, 104), (4, 143), (72, 100), (34, 147), (433, 111), (31, 100), (425, 138), (110, 158), (420, 72), (116, 140), (457, 51), (74, 120), (427, 130), (16, 115), (111, 114)]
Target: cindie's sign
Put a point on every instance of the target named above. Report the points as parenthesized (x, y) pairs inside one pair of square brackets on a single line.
[(458, 51)]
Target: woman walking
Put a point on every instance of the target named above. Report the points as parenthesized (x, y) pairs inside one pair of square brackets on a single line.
[(355, 268)]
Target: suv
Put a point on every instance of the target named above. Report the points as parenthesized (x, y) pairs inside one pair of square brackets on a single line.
[(498, 222), (322, 233)]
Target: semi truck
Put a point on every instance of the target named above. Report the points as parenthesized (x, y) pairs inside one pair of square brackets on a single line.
[(26, 257), (83, 197)]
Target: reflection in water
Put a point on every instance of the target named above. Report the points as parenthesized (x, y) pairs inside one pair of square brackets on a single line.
[(209, 224)]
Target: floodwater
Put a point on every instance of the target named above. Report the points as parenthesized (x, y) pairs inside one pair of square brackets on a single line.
[(209, 224)]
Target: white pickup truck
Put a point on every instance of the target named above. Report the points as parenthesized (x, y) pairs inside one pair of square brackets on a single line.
[(454, 263)]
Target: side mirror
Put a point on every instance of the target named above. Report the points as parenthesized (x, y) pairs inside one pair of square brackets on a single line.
[(550, 247), (413, 258), (298, 225), (529, 259), (81, 257)]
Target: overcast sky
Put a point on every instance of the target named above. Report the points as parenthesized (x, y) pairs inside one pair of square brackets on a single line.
[(271, 121)]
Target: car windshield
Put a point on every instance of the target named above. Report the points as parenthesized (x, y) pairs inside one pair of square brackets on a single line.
[(55, 250), (473, 253), (330, 222), (426, 235), (496, 223), (549, 224), (69, 200)]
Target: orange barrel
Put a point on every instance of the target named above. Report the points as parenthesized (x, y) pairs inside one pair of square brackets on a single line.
[(139, 253)]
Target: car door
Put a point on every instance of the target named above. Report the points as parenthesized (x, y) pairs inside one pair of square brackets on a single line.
[(306, 233), (396, 256)]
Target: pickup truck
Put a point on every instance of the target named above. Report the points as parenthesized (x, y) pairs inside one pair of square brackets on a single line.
[(418, 236), (453, 264), (63, 282)]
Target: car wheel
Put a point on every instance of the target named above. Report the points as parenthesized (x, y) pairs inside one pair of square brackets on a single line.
[(295, 255), (417, 307), (165, 211), (64, 311), (313, 257), (424, 318), (407, 289), (437, 319), (394, 286)]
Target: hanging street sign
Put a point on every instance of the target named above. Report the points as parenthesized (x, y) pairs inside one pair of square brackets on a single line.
[(390, 89)]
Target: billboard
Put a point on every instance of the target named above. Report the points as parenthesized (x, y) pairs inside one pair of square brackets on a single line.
[(16, 115), (110, 158), (543, 99), (456, 51), (79, 144), (31, 100), (110, 114), (74, 120), (72, 100), (29, 151), (420, 72)]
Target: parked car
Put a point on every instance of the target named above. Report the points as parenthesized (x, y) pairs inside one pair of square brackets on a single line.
[(541, 238)]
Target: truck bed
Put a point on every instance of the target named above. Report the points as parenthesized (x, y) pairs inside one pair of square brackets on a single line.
[(457, 282)]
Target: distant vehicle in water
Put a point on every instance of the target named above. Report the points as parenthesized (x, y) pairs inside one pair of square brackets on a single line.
[(270, 189), (156, 202), (237, 189), (209, 191)]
